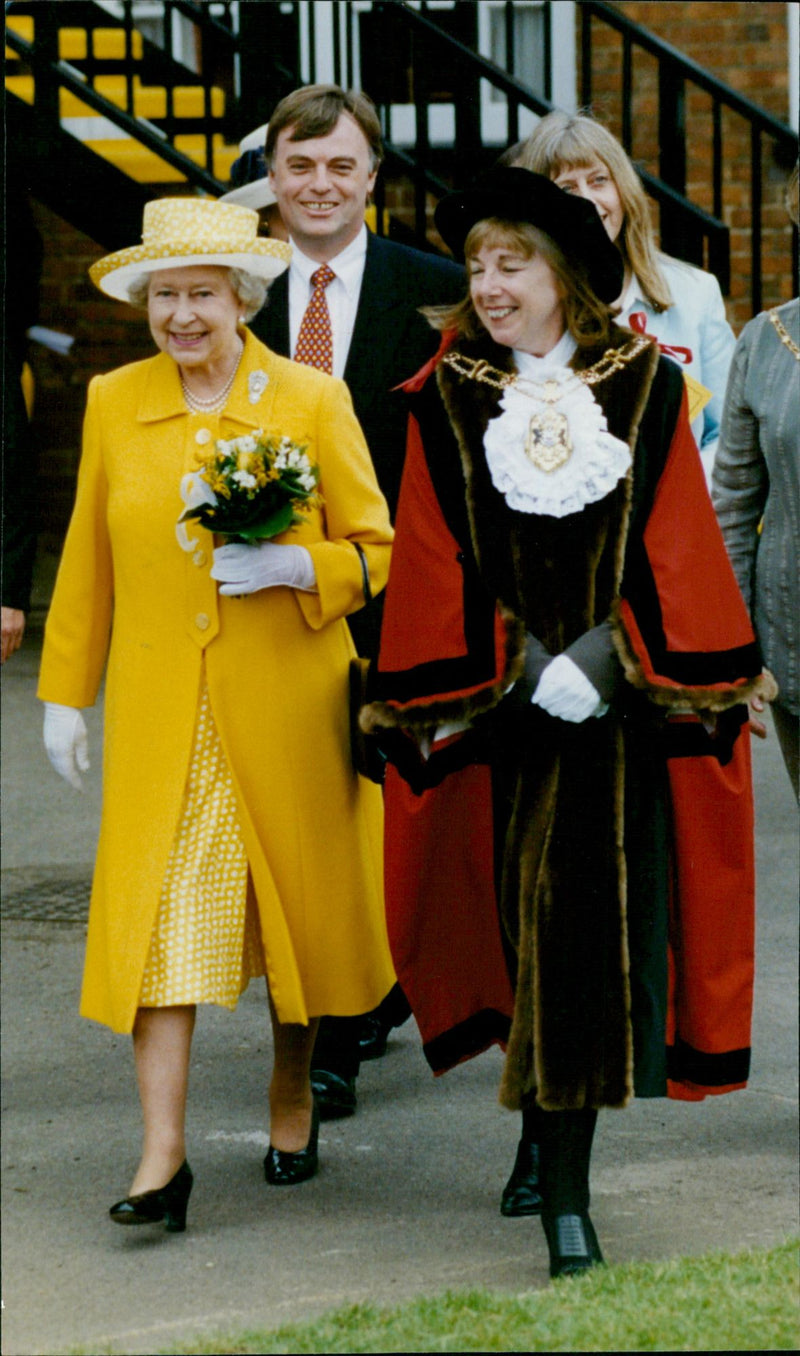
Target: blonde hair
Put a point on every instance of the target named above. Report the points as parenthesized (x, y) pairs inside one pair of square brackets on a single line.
[(564, 141), (587, 318)]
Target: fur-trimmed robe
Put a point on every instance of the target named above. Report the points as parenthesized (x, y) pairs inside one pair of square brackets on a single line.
[(620, 848)]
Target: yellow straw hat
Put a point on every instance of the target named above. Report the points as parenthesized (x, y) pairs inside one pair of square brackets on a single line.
[(180, 232)]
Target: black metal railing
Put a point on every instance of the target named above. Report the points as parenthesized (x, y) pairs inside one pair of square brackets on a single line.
[(52, 76), (401, 55), (157, 67), (680, 234)]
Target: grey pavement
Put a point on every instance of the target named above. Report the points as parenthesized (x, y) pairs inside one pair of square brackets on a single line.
[(407, 1199)]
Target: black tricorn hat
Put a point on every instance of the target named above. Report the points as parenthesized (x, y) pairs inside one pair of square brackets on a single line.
[(511, 193)]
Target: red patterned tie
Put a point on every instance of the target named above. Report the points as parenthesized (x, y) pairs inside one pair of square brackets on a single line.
[(315, 340)]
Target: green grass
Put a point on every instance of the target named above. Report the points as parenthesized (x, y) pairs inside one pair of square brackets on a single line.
[(746, 1302)]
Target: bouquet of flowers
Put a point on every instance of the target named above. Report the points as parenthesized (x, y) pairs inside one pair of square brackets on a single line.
[(250, 488)]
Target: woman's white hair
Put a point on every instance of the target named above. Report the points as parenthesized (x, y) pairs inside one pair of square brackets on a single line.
[(250, 291)]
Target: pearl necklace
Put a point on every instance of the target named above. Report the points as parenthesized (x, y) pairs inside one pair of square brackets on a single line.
[(211, 404)]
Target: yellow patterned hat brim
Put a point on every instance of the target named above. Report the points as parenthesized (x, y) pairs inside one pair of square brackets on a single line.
[(265, 259)]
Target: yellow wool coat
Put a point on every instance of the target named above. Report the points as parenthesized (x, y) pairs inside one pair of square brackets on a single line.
[(276, 665)]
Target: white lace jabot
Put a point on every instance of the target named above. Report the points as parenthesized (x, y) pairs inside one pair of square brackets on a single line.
[(550, 450)]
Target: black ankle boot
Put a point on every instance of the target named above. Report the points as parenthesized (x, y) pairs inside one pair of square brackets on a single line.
[(566, 1146), (167, 1203), (522, 1193), (282, 1168), (572, 1243)]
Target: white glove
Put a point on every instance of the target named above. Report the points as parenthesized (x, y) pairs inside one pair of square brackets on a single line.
[(564, 691), (66, 742), (245, 568)]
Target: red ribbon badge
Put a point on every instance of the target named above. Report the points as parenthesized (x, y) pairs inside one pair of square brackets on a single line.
[(638, 321)]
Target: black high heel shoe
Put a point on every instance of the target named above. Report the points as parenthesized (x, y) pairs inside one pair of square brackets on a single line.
[(572, 1243), (282, 1168), (167, 1203)]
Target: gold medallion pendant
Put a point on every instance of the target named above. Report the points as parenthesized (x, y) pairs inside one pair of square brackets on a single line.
[(548, 444)]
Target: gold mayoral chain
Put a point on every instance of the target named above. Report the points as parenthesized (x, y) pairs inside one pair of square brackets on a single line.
[(548, 444), (784, 335)]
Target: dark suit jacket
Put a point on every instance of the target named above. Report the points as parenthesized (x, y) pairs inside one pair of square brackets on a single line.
[(391, 341)]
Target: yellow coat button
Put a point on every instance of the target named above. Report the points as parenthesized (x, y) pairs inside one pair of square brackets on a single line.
[(201, 621), (199, 558)]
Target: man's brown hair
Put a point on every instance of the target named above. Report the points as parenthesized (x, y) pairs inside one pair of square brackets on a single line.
[(314, 110)]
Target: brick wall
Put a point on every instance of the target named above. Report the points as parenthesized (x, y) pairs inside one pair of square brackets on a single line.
[(107, 334), (746, 46)]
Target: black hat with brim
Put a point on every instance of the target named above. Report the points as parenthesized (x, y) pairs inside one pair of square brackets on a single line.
[(509, 193)]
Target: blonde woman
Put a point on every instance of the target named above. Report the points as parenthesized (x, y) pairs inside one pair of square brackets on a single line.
[(679, 305), (236, 839)]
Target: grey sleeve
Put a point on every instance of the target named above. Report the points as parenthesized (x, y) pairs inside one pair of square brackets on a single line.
[(740, 482), (593, 652), (537, 657), (595, 655)]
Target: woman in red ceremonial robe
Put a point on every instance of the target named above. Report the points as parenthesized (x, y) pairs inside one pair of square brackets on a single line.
[(561, 694)]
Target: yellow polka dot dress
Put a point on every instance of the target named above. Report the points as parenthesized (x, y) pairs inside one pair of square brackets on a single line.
[(206, 945)]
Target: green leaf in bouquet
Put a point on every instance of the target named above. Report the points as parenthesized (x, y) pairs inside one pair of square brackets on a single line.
[(279, 521)]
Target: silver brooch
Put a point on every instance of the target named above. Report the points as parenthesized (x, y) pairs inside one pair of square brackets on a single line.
[(256, 385)]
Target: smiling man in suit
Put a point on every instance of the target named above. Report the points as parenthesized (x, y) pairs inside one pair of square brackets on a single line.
[(350, 303)]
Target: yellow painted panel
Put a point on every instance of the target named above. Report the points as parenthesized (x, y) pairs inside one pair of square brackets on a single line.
[(189, 102), (72, 44), (147, 168), (109, 44), (148, 101), (137, 162), (70, 106), (22, 25), (22, 86)]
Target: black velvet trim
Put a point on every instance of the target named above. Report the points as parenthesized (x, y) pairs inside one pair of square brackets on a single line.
[(690, 739), (423, 773), (476, 667), (469, 1038), (690, 668), (687, 1065)]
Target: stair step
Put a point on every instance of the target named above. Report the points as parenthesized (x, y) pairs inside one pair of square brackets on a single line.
[(146, 167), (148, 101), (108, 44)]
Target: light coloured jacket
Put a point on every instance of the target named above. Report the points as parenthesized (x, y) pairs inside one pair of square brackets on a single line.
[(757, 484), (696, 321)]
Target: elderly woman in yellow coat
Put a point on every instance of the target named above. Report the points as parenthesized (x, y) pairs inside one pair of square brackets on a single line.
[(236, 839)]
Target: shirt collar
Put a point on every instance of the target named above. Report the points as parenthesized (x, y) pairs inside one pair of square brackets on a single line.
[(632, 295), (348, 265), (528, 365)]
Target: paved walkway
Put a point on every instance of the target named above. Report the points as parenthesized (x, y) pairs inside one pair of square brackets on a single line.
[(407, 1198)]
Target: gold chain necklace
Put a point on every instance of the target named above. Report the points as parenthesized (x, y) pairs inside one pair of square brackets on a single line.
[(477, 369), (784, 335), (548, 444)]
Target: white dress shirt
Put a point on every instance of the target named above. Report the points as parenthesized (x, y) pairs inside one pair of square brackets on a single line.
[(342, 294)]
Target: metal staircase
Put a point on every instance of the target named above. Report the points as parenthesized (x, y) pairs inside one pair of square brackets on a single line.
[(112, 113)]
